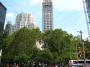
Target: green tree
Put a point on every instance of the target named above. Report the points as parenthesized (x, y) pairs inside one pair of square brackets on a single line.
[(61, 44), (1, 40), (87, 49), (19, 46)]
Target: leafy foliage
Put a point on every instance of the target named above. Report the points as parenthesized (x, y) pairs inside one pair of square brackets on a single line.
[(19, 46), (87, 49), (59, 46)]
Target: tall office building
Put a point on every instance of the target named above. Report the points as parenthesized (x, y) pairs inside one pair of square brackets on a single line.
[(3, 10), (87, 14), (9, 28), (25, 20), (47, 15)]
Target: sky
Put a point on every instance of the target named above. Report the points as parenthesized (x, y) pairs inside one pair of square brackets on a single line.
[(68, 14)]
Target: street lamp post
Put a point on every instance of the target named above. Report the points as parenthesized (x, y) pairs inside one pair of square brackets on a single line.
[(82, 47), (84, 55)]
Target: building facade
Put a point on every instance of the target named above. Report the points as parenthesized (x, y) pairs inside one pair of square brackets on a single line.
[(25, 20), (3, 10), (87, 14), (47, 15), (9, 28)]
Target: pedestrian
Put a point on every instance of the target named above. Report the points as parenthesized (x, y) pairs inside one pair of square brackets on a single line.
[(56, 65), (17, 65), (14, 64), (7, 65)]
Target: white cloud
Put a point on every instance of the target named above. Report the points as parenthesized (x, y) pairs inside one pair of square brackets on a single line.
[(68, 4), (35, 2), (10, 15), (62, 4)]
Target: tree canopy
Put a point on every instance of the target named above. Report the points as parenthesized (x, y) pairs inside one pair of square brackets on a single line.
[(59, 46), (20, 45)]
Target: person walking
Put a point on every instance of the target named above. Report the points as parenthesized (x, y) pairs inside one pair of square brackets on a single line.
[(7, 65), (17, 65)]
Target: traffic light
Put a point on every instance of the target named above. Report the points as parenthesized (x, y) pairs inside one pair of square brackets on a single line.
[(80, 52)]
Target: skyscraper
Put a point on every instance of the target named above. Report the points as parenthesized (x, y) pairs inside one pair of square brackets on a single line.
[(87, 14), (9, 28), (2, 16), (25, 20), (47, 15)]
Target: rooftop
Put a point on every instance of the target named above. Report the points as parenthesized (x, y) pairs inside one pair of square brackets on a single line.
[(3, 6)]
